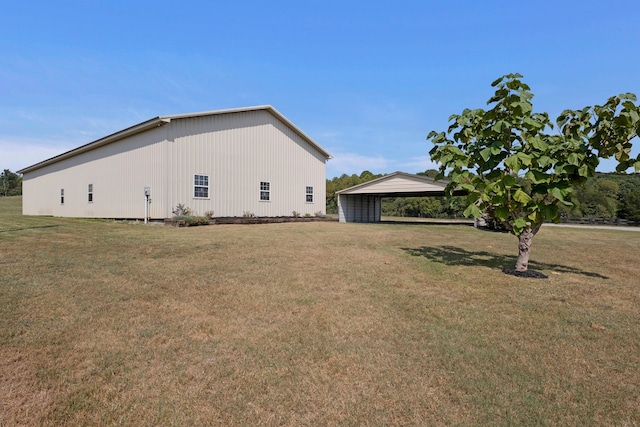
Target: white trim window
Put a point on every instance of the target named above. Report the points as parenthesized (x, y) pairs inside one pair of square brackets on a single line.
[(309, 194), (201, 186), (90, 193), (265, 191), (62, 196)]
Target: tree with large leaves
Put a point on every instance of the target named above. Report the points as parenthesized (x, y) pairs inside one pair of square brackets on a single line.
[(518, 172)]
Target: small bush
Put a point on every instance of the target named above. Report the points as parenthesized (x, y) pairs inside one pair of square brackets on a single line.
[(319, 214), (307, 215), (247, 214), (182, 210), (295, 214), (208, 214), (192, 220)]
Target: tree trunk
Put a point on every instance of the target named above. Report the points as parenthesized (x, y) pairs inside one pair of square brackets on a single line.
[(525, 239)]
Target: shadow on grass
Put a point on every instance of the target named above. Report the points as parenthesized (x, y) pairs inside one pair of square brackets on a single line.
[(451, 255), (28, 228)]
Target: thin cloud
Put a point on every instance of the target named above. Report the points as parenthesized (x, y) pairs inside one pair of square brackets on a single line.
[(18, 153), (418, 164), (351, 163)]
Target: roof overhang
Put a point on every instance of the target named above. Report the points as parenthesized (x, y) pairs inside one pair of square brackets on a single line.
[(399, 194), (400, 184), (141, 127)]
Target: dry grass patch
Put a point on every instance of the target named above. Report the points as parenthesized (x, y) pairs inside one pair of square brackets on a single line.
[(105, 323)]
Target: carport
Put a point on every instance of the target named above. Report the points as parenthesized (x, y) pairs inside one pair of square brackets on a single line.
[(363, 202)]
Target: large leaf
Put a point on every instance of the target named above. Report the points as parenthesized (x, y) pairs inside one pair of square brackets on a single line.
[(536, 176), (526, 107), (550, 212), (509, 181), (513, 163), (532, 123), (544, 161), (518, 226), (496, 148), (456, 151), (585, 171), (535, 217), (472, 210), (537, 143), (502, 213), (458, 177), (494, 174), (521, 197), (485, 154), (560, 194), (574, 159), (497, 127), (524, 158), (556, 192)]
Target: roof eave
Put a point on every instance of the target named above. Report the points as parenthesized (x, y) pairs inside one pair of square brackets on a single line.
[(350, 190), (161, 120), (141, 127), (325, 153)]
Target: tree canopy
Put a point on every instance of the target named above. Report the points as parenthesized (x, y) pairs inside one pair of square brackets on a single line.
[(518, 172), (10, 183)]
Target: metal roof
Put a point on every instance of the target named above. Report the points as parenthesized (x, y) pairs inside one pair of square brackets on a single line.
[(163, 120), (398, 184)]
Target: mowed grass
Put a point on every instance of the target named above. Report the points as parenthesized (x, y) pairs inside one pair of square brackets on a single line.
[(105, 323)]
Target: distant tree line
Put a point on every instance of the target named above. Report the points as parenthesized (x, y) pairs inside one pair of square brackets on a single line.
[(607, 195), (10, 184)]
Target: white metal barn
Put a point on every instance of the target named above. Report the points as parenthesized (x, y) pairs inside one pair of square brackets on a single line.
[(363, 202), (227, 161)]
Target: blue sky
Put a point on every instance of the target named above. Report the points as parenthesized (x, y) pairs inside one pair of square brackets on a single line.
[(367, 80)]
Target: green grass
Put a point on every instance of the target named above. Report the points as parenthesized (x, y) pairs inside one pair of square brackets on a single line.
[(105, 323)]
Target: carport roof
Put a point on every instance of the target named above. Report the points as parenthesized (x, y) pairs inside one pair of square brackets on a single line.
[(398, 184)]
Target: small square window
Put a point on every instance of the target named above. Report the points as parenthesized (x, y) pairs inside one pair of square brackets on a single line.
[(265, 191), (309, 195), (90, 193), (201, 186)]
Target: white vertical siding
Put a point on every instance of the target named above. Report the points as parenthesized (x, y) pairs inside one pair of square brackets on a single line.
[(359, 208), (119, 172), (236, 150)]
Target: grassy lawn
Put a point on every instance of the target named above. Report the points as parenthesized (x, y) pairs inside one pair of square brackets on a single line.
[(105, 323)]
